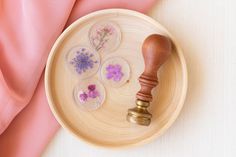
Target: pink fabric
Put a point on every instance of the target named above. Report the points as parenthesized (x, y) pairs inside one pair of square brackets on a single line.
[(31, 130), (28, 29)]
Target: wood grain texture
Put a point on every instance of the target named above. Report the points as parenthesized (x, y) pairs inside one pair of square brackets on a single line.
[(206, 127), (108, 126)]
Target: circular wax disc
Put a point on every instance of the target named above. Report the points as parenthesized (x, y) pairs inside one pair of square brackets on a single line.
[(115, 72), (89, 94), (83, 61), (105, 36)]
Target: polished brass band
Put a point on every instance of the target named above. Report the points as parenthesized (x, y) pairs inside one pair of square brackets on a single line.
[(142, 103)]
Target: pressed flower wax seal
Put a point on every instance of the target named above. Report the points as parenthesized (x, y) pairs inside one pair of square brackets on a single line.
[(89, 94), (115, 71), (105, 36), (83, 61)]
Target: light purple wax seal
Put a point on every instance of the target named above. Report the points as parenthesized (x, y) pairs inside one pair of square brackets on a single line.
[(115, 71)]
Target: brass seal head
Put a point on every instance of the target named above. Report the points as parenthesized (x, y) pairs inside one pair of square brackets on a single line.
[(139, 114)]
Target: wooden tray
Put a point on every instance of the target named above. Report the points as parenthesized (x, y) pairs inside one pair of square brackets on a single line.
[(107, 126)]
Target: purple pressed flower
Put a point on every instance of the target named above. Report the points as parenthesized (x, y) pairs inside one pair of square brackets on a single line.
[(83, 61), (93, 94), (92, 87), (114, 72), (83, 97)]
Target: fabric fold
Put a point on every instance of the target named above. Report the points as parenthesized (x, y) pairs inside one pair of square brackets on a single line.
[(28, 30), (21, 140)]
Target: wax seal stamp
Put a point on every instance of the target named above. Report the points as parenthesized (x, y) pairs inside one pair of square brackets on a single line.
[(156, 49)]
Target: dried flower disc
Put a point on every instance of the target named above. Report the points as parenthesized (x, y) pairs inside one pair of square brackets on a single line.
[(89, 94), (83, 61), (105, 36), (115, 71)]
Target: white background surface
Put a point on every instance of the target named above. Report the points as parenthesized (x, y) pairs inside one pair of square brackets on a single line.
[(206, 30)]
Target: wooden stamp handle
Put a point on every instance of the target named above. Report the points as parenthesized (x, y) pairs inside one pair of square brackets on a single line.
[(156, 49)]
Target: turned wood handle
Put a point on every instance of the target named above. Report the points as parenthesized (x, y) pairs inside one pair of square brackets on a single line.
[(156, 49)]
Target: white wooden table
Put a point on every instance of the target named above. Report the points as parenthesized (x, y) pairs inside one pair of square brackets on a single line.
[(206, 30)]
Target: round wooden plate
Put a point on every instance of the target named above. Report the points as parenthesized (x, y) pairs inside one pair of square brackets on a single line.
[(107, 126)]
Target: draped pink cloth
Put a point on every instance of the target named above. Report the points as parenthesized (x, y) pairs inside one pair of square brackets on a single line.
[(28, 29)]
